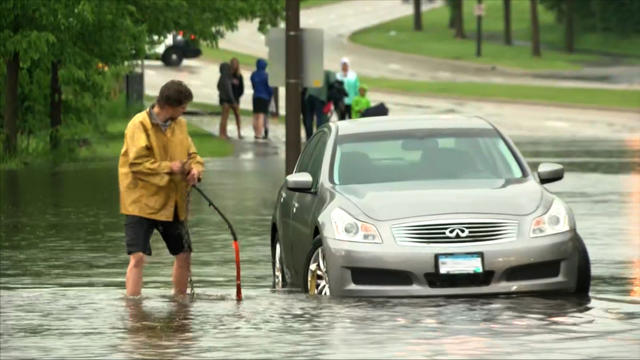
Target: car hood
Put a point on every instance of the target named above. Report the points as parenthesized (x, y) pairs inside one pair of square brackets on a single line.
[(389, 201)]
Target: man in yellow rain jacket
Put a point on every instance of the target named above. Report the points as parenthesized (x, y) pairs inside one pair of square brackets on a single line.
[(158, 164)]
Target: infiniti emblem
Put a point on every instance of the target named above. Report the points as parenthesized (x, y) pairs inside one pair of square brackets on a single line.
[(457, 232)]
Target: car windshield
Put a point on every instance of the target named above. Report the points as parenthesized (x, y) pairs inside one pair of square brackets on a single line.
[(423, 155)]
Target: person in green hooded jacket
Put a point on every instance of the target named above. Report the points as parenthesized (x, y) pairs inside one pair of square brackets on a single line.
[(360, 103)]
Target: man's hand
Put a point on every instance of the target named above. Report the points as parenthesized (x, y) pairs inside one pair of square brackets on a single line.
[(177, 167), (193, 176)]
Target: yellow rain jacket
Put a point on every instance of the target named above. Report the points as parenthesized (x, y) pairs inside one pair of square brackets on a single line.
[(147, 187)]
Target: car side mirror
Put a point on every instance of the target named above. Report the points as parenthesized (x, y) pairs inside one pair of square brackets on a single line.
[(550, 172), (299, 181)]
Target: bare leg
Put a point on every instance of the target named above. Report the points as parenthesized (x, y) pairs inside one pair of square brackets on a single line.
[(236, 112), (260, 129), (181, 272), (223, 121), (133, 280), (255, 125)]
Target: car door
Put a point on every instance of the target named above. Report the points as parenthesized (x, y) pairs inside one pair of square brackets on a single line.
[(286, 205), (305, 204)]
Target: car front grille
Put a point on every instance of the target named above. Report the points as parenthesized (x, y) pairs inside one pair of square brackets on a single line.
[(455, 232)]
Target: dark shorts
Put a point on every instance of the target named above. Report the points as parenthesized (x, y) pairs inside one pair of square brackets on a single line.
[(225, 102), (260, 105), (138, 232)]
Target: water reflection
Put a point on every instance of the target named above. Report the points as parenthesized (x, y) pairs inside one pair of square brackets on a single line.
[(62, 260), (153, 333)]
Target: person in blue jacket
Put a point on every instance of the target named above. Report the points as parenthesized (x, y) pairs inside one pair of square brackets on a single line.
[(262, 93)]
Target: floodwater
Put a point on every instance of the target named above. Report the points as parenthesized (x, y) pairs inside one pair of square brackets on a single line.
[(63, 263)]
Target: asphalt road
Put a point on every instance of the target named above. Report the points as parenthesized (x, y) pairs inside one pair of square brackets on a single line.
[(515, 118)]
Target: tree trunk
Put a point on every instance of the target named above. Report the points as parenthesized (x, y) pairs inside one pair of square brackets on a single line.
[(452, 14), (55, 106), (535, 29), (507, 22), (568, 32), (479, 32), (11, 104), (417, 15), (459, 21)]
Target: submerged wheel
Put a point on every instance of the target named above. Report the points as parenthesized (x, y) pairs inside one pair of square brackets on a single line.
[(277, 265), (583, 280), (317, 281)]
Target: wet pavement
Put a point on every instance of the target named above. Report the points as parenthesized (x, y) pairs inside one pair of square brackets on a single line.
[(62, 264)]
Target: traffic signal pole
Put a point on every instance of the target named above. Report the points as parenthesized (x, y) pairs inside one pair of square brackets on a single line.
[(293, 83)]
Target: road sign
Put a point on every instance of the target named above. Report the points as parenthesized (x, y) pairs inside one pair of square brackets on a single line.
[(312, 57), (478, 10)]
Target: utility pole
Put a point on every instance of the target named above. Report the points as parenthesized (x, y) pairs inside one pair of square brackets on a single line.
[(479, 10), (293, 83)]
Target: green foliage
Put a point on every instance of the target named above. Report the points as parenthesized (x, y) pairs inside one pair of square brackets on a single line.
[(618, 16), (95, 42)]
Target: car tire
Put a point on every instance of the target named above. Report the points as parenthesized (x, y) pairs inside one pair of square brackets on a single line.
[(583, 280), (316, 281), (277, 265), (172, 56)]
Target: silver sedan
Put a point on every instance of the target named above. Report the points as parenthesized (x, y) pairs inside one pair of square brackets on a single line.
[(442, 205)]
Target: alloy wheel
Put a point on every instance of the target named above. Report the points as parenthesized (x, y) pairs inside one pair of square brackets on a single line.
[(277, 268), (317, 278)]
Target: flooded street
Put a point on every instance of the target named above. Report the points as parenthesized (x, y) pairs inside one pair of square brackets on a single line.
[(63, 262)]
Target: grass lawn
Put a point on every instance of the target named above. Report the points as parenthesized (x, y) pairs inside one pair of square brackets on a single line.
[(220, 55), (437, 40), (108, 143), (305, 4), (626, 99)]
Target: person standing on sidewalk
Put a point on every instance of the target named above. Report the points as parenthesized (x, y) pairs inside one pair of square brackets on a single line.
[(262, 93), (157, 166), (315, 100), (351, 84), (237, 85), (226, 97)]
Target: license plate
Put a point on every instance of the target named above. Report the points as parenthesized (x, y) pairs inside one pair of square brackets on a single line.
[(459, 263)]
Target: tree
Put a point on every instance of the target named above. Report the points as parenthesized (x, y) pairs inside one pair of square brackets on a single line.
[(417, 15), (507, 21), (459, 23), (617, 16), (19, 35), (568, 30), (535, 29), (11, 104), (67, 45), (452, 13)]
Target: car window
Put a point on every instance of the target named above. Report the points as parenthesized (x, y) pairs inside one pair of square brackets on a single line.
[(315, 162), (426, 155), (304, 161)]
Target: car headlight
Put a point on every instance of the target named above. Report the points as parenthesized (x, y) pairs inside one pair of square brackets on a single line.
[(555, 221), (349, 229)]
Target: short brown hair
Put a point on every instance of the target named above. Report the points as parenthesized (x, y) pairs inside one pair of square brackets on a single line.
[(174, 93)]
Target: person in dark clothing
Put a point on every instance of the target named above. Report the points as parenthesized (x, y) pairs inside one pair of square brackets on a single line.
[(336, 94), (225, 94), (314, 101), (237, 85), (262, 93)]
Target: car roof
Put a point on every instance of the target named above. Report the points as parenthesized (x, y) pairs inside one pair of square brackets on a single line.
[(413, 122)]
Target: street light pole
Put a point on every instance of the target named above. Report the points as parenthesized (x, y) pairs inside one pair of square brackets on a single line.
[(293, 74)]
